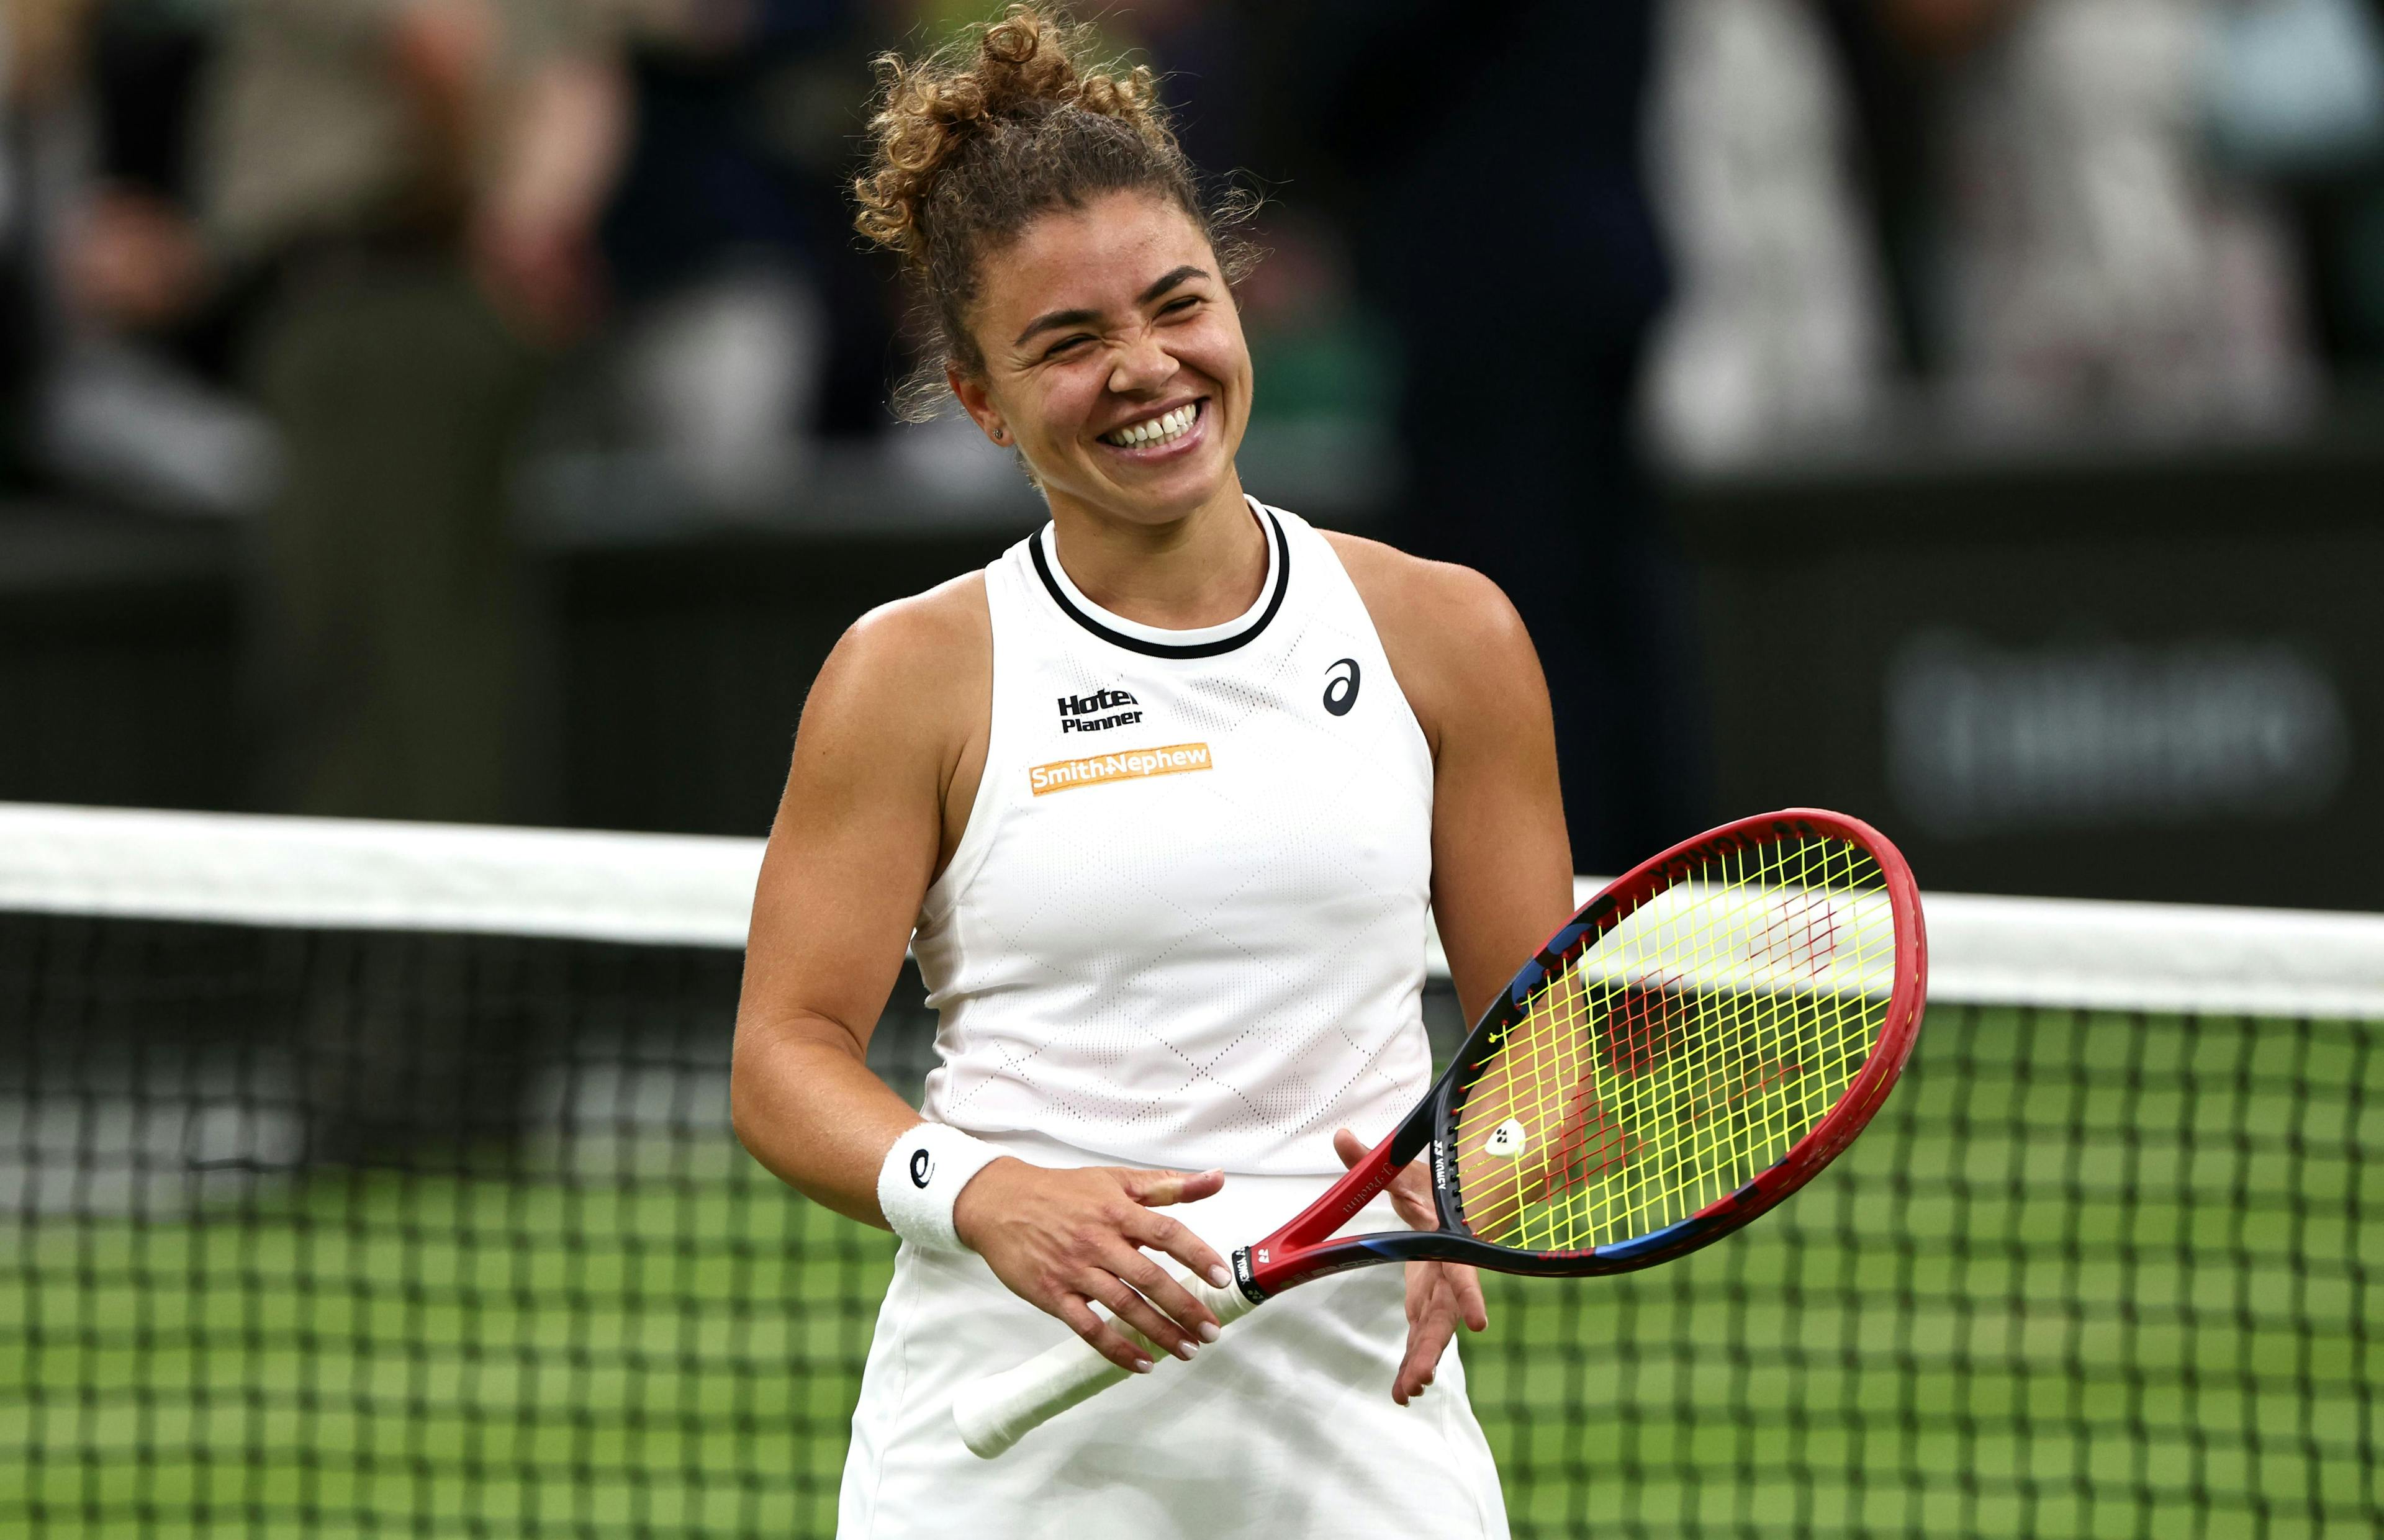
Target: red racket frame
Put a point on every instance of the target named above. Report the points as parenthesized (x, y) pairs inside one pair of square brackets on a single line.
[(1300, 1250)]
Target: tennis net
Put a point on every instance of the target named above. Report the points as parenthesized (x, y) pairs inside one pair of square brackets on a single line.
[(377, 1179)]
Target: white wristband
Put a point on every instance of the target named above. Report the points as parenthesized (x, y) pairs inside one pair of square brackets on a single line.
[(921, 1179)]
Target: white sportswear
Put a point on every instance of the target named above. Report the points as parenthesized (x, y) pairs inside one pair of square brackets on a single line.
[(1185, 923), (1283, 1429), (1185, 927)]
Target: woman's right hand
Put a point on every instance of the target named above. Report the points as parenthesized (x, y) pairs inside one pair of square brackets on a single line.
[(1064, 1240)]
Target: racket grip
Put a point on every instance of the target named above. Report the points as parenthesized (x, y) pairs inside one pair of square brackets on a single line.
[(998, 1410)]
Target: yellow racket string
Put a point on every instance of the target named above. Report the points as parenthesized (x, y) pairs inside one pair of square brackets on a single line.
[(1683, 1052)]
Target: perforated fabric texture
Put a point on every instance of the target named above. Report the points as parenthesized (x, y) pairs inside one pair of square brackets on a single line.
[(1186, 926)]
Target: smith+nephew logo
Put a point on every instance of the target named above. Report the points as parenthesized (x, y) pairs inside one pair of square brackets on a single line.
[(1082, 714), (1175, 759)]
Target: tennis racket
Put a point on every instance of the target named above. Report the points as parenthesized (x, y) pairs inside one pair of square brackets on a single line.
[(1694, 1045)]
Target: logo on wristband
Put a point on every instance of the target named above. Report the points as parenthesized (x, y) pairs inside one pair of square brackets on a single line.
[(923, 1168)]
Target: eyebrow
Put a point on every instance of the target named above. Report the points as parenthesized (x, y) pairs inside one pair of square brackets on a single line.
[(1054, 320)]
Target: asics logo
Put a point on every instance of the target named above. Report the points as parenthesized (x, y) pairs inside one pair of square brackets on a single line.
[(1340, 693)]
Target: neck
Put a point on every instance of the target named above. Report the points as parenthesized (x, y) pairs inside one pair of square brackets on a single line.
[(1202, 569)]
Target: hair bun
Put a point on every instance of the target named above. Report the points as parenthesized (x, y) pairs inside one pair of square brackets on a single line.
[(981, 138), (1031, 63)]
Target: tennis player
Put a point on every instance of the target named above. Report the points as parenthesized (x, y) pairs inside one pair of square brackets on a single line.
[(1160, 799)]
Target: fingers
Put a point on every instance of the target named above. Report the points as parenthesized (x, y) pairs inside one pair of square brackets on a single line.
[(1428, 1337), (1411, 1190), (1175, 1238), (1105, 1339), (1411, 1195), (1158, 1287), (1411, 1201), (1121, 1283), (1439, 1295), (1130, 1285), (1069, 1241), (1156, 1189), (1470, 1306)]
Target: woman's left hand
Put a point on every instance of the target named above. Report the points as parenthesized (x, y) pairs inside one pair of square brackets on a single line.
[(1439, 1294)]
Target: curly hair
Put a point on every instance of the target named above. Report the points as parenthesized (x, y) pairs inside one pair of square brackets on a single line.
[(1011, 119)]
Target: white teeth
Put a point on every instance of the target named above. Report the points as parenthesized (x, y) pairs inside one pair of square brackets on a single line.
[(1163, 428)]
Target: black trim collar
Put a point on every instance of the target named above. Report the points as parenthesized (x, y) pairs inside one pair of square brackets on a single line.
[(1163, 649)]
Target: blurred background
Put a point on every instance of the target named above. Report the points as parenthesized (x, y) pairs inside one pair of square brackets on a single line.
[(1969, 414)]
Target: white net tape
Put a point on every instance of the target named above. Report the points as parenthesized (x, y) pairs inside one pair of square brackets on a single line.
[(334, 873)]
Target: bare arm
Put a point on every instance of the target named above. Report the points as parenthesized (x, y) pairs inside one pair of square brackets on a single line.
[(850, 857), (1502, 867), (875, 801)]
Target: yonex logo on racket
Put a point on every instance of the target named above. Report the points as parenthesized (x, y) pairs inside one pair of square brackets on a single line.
[(1508, 1141)]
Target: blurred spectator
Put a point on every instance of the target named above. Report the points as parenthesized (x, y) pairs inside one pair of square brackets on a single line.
[(1780, 325), (2102, 261), (2297, 100), (41, 57), (2095, 262), (403, 194), (1491, 156), (411, 187), (376, 216), (751, 322), (137, 406), (2060, 243)]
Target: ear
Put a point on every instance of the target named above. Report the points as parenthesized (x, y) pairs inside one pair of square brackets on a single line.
[(978, 403)]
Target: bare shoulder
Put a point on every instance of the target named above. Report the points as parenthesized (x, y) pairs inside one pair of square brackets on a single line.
[(921, 637), (1453, 639), (914, 671), (950, 613), (1441, 602)]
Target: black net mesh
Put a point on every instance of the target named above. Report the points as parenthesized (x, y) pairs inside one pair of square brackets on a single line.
[(314, 1233)]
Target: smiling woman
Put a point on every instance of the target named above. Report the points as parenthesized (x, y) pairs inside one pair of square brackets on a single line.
[(1011, 141), (1003, 125), (1193, 982)]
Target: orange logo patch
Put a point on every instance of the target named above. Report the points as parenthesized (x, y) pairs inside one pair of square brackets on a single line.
[(1176, 759)]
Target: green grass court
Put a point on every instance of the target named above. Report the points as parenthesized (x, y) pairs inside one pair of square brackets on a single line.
[(2090, 1276)]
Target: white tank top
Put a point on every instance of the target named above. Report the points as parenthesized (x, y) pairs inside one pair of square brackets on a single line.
[(1185, 923)]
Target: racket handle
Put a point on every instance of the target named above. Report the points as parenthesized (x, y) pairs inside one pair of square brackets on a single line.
[(998, 1410)]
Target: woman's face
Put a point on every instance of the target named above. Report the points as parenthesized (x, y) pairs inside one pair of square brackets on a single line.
[(1113, 358)]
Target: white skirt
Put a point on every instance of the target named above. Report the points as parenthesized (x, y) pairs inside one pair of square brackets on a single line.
[(1284, 1426)]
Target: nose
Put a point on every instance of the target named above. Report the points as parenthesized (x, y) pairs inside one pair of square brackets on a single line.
[(1142, 367)]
